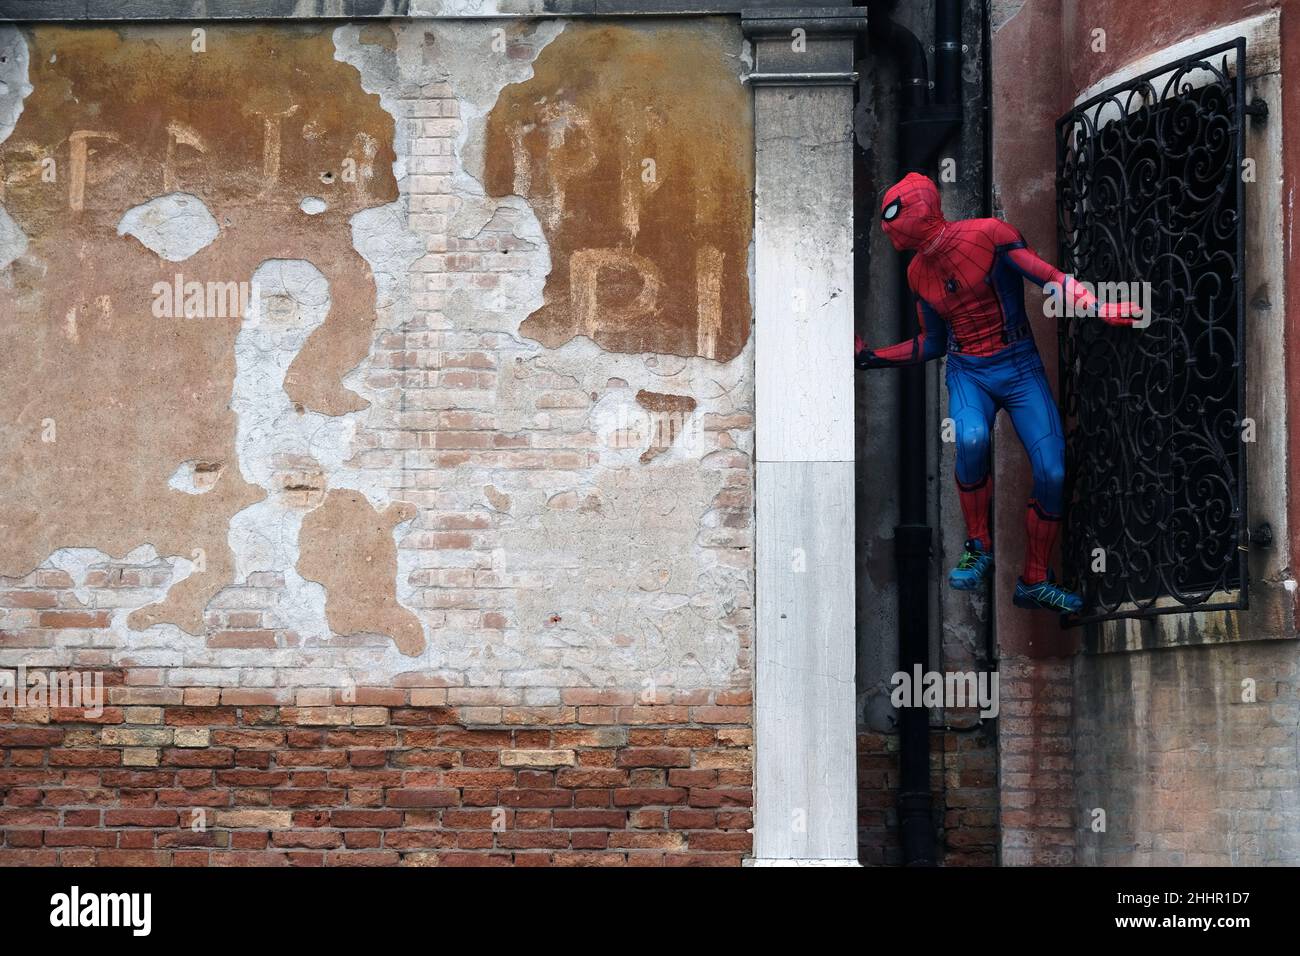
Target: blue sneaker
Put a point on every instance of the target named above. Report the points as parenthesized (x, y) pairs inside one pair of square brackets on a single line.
[(972, 568), (1046, 595)]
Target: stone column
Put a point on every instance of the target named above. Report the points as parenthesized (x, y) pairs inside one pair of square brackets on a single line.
[(806, 782)]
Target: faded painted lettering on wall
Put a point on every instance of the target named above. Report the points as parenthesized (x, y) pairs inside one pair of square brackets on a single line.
[(409, 353)]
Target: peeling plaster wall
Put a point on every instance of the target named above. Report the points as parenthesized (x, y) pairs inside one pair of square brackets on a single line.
[(275, 412)]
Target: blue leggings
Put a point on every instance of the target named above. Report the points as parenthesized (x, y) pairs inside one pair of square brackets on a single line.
[(1013, 379)]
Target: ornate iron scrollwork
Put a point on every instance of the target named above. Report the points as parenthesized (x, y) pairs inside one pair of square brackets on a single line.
[(1149, 190)]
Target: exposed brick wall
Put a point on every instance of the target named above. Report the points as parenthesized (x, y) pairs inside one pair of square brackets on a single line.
[(878, 838), (963, 781), (1036, 761), (1187, 771), (388, 777), (969, 797)]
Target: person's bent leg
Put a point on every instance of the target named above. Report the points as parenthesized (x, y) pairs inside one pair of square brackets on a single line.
[(1043, 514), (1038, 424), (976, 504), (972, 411)]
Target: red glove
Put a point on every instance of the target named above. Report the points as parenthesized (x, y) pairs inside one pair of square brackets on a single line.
[(858, 344), (1119, 313), (1112, 313)]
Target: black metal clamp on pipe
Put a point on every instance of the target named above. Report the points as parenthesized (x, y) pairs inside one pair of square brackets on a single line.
[(925, 123)]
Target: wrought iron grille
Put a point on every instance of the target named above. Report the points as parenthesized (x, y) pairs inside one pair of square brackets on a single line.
[(1149, 190)]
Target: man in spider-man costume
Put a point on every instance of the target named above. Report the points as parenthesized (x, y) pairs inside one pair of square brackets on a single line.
[(968, 280)]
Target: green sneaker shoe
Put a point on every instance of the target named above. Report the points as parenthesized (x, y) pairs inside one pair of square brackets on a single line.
[(972, 568), (1046, 595)]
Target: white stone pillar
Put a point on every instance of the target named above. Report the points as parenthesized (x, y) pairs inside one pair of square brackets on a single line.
[(805, 775)]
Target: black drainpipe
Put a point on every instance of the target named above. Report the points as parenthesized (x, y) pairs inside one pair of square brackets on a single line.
[(925, 123)]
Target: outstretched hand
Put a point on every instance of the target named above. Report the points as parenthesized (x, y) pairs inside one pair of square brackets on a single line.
[(1119, 313), (1112, 313)]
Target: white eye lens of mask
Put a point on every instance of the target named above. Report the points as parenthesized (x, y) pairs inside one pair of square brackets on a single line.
[(891, 210)]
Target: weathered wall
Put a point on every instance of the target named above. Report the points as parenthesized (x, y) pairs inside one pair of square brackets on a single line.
[(480, 445), (594, 170), (1195, 753), (1187, 771), (521, 463)]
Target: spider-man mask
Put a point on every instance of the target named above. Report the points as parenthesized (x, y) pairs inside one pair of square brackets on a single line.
[(910, 213)]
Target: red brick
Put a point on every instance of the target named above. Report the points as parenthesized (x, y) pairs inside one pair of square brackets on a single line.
[(28, 818), (26, 838), (607, 819), (421, 840), (308, 798), (720, 797), (132, 858), (533, 839), (720, 841), (77, 715), (315, 839), (654, 757), (200, 716), (198, 757), (474, 859), (422, 798), (74, 619), (536, 798), (31, 736), (248, 739), (85, 758), (721, 715), (653, 796), (365, 818), (80, 838), (362, 858), (250, 639), (28, 599)]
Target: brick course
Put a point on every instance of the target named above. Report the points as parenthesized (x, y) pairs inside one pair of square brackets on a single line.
[(366, 784)]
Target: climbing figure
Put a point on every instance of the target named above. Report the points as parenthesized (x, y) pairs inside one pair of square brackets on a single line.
[(968, 280)]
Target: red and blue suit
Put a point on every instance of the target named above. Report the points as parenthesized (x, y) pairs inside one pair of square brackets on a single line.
[(968, 278)]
